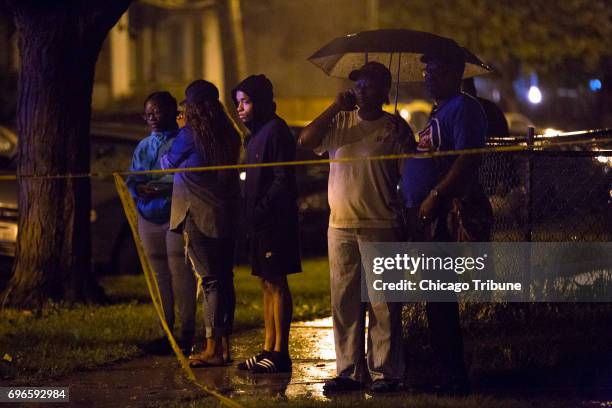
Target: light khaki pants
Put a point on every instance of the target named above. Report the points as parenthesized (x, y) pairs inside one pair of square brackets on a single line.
[(384, 358)]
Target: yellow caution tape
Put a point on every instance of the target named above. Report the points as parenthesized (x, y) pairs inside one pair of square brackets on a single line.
[(540, 144), (131, 215), (500, 149)]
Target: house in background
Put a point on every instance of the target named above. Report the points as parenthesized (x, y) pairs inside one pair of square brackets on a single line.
[(166, 44), (156, 44), (161, 45)]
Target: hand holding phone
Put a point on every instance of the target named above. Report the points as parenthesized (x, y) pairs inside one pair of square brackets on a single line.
[(346, 100)]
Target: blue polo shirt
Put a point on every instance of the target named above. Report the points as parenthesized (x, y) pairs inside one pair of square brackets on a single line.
[(458, 124)]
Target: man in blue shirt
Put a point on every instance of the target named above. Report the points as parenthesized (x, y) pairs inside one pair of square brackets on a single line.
[(430, 184), (457, 122)]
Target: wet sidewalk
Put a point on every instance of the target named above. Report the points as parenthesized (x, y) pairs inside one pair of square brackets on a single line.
[(157, 379)]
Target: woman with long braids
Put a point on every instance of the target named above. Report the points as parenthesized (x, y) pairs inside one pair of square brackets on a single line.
[(205, 206)]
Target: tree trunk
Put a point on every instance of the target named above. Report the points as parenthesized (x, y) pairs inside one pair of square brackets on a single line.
[(60, 42)]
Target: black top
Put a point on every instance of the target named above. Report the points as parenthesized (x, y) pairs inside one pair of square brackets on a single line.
[(271, 192), (497, 126)]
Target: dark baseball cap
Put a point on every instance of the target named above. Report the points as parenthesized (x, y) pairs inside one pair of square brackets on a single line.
[(375, 71), (200, 91)]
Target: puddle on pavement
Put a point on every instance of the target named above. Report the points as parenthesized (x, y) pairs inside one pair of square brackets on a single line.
[(312, 352)]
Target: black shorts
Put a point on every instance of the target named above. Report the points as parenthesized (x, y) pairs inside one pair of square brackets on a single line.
[(275, 252)]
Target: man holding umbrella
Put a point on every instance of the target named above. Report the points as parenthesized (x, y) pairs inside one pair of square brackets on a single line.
[(434, 186), (365, 207)]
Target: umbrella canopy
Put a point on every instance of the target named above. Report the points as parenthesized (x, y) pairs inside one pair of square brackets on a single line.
[(399, 49)]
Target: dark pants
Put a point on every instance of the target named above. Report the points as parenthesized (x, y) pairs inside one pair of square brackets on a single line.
[(212, 260), (443, 317)]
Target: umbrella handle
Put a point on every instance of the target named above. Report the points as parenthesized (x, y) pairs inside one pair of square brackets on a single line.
[(399, 59)]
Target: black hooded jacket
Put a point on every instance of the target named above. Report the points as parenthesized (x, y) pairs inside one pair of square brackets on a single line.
[(270, 192)]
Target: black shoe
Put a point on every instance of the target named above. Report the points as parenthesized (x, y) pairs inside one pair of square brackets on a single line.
[(383, 386), (250, 362), (274, 362), (342, 384)]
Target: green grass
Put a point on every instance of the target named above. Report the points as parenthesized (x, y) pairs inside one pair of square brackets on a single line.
[(310, 291), (62, 339)]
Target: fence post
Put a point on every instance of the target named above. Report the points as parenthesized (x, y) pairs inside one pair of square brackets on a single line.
[(529, 232), (529, 182)]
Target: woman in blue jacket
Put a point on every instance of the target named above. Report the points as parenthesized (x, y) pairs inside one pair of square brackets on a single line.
[(205, 206)]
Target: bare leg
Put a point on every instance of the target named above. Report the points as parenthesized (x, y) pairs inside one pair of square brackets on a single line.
[(283, 311), (214, 350), (268, 309), (212, 354)]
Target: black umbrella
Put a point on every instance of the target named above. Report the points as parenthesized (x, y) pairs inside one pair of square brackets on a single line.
[(399, 49)]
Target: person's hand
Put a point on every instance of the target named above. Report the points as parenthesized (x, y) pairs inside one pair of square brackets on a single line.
[(145, 191), (346, 100), (428, 208)]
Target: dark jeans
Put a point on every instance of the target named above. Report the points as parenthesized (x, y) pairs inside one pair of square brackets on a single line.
[(212, 260), (443, 317)]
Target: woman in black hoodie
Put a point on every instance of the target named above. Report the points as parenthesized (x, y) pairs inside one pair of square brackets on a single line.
[(272, 217)]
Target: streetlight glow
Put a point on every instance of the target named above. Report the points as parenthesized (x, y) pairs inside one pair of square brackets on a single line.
[(534, 95)]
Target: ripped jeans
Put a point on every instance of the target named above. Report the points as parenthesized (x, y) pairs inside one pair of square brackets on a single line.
[(212, 260)]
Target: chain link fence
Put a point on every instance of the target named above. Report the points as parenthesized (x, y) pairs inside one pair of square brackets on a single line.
[(556, 194), (550, 195)]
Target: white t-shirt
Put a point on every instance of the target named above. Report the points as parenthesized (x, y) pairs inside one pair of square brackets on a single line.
[(363, 194)]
